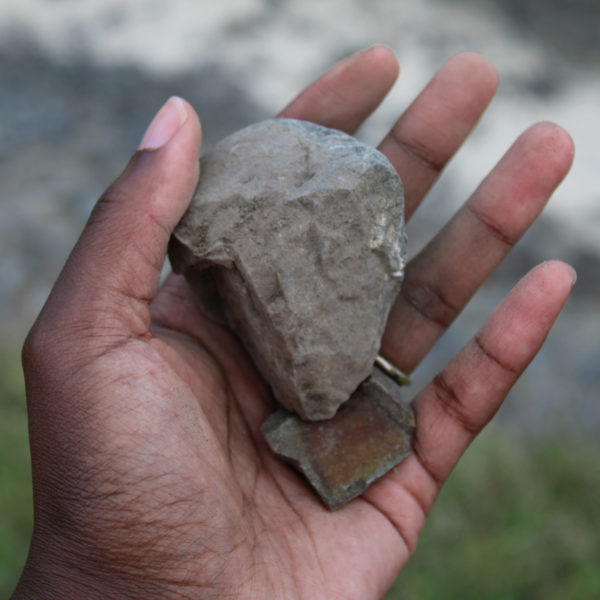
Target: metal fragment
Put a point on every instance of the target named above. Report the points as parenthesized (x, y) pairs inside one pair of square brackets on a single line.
[(400, 377), (340, 457)]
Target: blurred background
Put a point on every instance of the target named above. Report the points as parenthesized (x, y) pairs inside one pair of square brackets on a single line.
[(520, 517)]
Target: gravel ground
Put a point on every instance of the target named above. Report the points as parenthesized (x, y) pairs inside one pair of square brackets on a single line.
[(82, 80)]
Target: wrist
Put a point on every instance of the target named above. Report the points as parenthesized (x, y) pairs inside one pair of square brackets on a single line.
[(55, 572), (48, 579)]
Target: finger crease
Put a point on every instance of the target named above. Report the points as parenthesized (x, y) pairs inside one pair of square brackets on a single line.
[(417, 499), (396, 526), (230, 399), (159, 225), (450, 402), (420, 154), (496, 230), (493, 357), (429, 302), (437, 480)]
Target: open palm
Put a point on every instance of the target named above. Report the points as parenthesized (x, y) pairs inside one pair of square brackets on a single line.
[(151, 478)]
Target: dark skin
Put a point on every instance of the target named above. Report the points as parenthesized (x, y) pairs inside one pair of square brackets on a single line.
[(151, 479)]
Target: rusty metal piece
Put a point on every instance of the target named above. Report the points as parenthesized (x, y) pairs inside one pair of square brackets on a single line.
[(370, 434)]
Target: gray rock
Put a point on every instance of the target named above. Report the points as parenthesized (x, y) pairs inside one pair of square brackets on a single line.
[(302, 229)]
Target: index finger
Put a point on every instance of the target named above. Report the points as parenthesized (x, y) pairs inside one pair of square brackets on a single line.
[(345, 95)]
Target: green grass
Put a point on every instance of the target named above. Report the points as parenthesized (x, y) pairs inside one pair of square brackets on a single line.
[(15, 473), (517, 519)]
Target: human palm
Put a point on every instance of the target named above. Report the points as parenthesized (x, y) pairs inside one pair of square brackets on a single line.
[(151, 477)]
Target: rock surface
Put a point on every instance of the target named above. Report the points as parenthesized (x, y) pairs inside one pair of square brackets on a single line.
[(302, 229), (341, 457)]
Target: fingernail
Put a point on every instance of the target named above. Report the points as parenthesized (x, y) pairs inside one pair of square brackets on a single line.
[(344, 62), (350, 59), (165, 125), (574, 274), (379, 45)]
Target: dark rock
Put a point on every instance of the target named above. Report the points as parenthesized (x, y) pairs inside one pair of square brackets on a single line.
[(341, 457), (301, 228)]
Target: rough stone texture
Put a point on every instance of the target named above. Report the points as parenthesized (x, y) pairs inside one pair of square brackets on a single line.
[(302, 229), (341, 457)]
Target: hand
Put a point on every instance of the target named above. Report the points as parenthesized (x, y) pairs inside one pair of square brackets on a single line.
[(151, 478)]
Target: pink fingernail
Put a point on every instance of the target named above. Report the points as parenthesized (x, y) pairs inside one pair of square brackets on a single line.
[(165, 125)]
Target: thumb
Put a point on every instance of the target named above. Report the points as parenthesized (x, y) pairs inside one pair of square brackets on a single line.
[(114, 269)]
